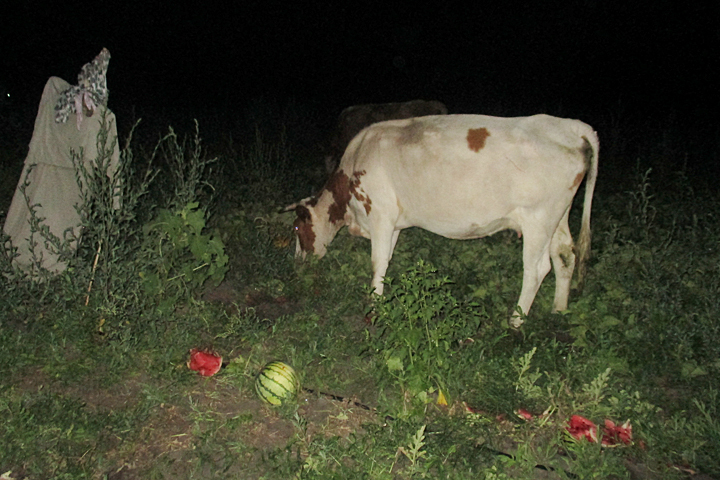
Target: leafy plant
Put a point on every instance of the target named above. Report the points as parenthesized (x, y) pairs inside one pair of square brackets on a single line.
[(171, 255), (415, 453), (527, 381), (179, 257), (419, 327), (188, 169), (111, 204)]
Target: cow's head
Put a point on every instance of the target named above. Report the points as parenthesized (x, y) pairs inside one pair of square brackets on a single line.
[(313, 230), (319, 218)]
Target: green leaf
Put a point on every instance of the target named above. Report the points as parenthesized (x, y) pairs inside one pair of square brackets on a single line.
[(692, 370), (609, 321), (394, 364)]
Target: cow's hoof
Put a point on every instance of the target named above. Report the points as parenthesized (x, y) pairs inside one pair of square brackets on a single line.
[(516, 321)]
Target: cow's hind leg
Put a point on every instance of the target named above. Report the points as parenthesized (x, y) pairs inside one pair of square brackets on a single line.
[(536, 265), (563, 260)]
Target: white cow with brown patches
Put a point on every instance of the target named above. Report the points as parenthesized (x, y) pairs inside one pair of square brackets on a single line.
[(462, 177)]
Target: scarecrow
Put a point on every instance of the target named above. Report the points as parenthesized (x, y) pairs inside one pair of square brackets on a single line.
[(69, 119)]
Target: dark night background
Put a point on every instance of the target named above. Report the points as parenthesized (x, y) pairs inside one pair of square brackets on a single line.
[(624, 66)]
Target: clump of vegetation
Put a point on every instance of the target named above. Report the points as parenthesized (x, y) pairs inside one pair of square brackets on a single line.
[(420, 328), (178, 257)]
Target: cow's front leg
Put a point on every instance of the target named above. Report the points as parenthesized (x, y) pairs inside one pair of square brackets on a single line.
[(395, 235), (383, 242)]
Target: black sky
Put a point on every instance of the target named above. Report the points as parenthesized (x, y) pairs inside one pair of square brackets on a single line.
[(505, 58)]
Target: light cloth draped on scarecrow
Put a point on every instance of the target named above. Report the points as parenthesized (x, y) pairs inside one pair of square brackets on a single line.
[(53, 185)]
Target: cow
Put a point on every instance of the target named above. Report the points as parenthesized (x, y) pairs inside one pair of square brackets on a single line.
[(353, 119), (462, 177)]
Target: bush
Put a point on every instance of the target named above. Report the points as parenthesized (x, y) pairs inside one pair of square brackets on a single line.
[(177, 258), (419, 329)]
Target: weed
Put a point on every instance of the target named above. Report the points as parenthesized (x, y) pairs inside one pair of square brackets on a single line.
[(178, 258), (414, 453), (641, 207), (188, 168), (419, 327)]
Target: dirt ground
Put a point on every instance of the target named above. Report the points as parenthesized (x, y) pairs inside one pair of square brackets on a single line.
[(168, 439)]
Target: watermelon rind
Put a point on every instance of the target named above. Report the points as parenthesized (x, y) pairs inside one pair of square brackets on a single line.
[(277, 383)]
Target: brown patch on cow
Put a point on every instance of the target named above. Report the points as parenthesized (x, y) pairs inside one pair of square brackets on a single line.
[(303, 229), (342, 188), (358, 192), (578, 180), (339, 185), (476, 138), (567, 258)]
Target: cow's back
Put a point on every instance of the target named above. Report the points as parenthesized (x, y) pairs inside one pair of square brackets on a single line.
[(447, 173)]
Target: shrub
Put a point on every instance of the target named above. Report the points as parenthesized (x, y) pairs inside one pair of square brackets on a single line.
[(419, 327), (177, 258)]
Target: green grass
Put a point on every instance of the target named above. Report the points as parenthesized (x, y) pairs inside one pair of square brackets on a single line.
[(103, 390)]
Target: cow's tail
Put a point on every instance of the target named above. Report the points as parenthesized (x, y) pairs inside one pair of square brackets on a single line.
[(591, 149)]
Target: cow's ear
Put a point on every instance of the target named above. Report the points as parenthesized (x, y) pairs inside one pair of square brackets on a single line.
[(295, 205), (290, 207)]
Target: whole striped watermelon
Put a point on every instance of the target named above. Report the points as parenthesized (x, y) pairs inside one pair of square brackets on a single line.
[(277, 383)]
